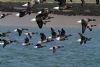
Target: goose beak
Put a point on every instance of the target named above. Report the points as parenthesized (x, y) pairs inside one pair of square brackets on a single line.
[(56, 8), (34, 19), (79, 40), (79, 21), (25, 5), (17, 14), (39, 12)]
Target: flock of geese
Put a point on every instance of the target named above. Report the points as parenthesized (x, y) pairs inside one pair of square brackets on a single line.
[(41, 19)]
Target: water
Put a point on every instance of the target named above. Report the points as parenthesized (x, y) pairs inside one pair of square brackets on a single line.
[(72, 55)]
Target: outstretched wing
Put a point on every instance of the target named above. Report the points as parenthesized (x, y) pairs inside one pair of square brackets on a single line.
[(53, 32), (43, 37), (83, 28), (39, 22)]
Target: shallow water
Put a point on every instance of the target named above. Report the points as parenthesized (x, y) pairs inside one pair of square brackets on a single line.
[(72, 55)]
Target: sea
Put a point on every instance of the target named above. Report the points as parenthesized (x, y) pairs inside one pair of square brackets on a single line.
[(71, 55)]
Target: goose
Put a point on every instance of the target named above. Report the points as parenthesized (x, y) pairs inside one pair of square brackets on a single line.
[(26, 42), (85, 24), (39, 46), (21, 13), (62, 5), (83, 39), (54, 48), (4, 15), (30, 34), (97, 1), (44, 39), (20, 30), (7, 42), (62, 35), (40, 22), (82, 2), (4, 34)]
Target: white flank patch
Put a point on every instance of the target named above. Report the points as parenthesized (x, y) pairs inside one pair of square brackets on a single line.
[(35, 47), (17, 14), (25, 5), (56, 8), (24, 44), (58, 38), (1, 43), (39, 12), (39, 42), (79, 21), (38, 1), (34, 19), (79, 40), (44, 41), (49, 37), (51, 48), (15, 30), (26, 33), (1, 15)]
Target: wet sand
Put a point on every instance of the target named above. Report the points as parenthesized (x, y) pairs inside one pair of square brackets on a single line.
[(57, 21)]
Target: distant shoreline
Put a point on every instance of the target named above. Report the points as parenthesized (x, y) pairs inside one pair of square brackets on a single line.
[(90, 9)]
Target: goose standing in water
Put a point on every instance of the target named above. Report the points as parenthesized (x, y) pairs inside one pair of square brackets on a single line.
[(83, 39), (85, 24)]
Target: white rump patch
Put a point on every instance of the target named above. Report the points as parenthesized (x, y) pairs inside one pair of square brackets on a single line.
[(1, 15), (17, 14), (1, 43), (58, 38), (49, 37), (35, 47), (39, 12), (25, 5), (79, 21), (24, 44), (56, 8), (26, 33), (34, 19), (15, 30), (51, 48), (79, 40), (39, 42)]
